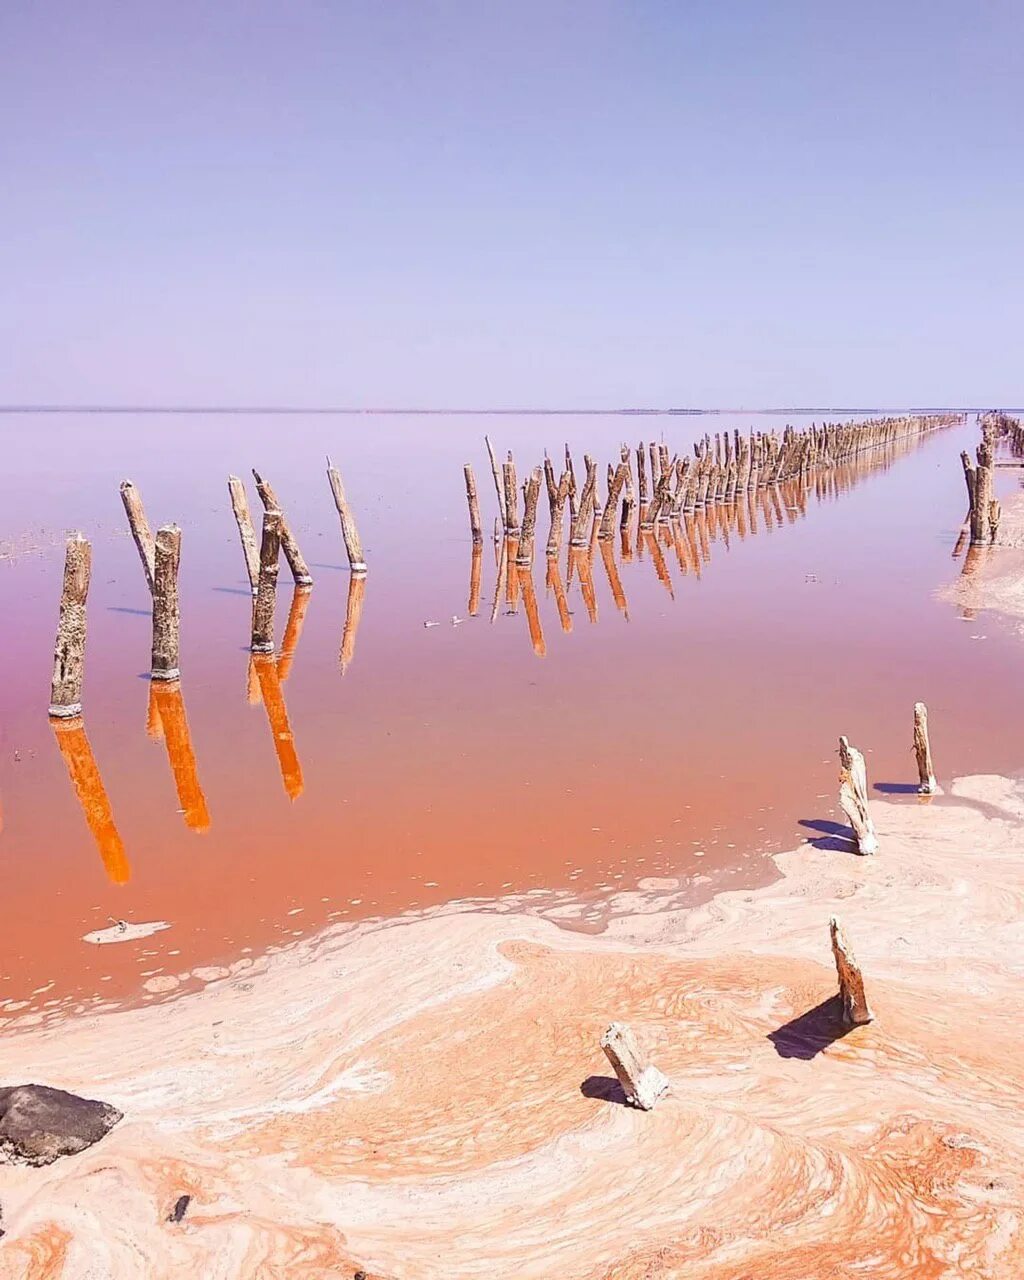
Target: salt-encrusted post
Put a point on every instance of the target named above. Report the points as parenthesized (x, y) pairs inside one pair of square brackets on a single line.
[(511, 499), (851, 982), (139, 526), (266, 594), (353, 545), (923, 751), (614, 490), (642, 1085), (69, 650), (247, 534), (853, 796), (166, 617), (474, 506), (289, 545), (531, 498)]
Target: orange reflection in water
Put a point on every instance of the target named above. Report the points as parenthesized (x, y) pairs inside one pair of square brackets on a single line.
[(166, 719), (265, 665), (92, 796)]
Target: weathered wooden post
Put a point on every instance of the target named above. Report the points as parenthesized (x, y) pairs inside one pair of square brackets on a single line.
[(266, 594), (246, 532), (531, 498), (139, 526), (923, 751), (496, 473), (166, 614), (853, 796), (558, 516), (851, 982), (511, 499), (353, 545), (69, 650), (289, 545), (476, 528), (642, 1084), (614, 489)]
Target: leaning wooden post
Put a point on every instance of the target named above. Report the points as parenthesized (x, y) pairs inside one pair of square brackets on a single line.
[(642, 1085), (166, 614), (923, 751), (853, 796), (474, 506), (614, 489), (139, 526), (851, 982), (496, 473), (289, 545), (353, 545), (250, 549), (532, 497), (69, 651), (266, 595)]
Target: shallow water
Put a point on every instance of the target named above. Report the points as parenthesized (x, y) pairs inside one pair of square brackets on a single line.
[(684, 735)]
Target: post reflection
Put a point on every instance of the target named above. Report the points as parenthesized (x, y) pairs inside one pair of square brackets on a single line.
[(277, 717), (293, 631), (353, 616), (167, 719), (525, 575), (92, 796)]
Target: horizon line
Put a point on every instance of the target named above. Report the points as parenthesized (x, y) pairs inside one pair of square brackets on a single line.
[(389, 411)]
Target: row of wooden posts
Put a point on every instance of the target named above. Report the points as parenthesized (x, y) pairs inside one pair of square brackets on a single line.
[(161, 557), (641, 1081), (718, 471)]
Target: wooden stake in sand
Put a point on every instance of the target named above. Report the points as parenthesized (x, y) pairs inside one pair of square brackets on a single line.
[(69, 651), (923, 751), (349, 532), (289, 545), (139, 526), (851, 982), (474, 506), (853, 796), (266, 594), (642, 1085), (250, 549), (166, 617)]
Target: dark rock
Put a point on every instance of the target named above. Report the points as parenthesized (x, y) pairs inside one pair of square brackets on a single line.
[(39, 1125), (180, 1205)]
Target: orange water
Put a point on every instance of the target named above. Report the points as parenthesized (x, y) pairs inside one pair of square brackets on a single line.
[(684, 731)]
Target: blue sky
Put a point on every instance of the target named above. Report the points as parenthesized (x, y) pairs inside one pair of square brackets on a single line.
[(531, 204)]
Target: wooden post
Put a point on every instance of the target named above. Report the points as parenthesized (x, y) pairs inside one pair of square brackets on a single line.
[(496, 473), (531, 498), (642, 1085), (558, 516), (289, 545), (851, 982), (139, 526), (266, 594), (511, 499), (923, 751), (92, 797), (853, 796), (614, 489), (474, 506), (69, 650), (353, 545), (995, 514), (240, 506), (166, 615), (641, 471)]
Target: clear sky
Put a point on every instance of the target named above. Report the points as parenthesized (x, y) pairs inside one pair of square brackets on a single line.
[(512, 204)]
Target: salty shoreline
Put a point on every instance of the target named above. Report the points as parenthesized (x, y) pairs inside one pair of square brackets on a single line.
[(429, 1098)]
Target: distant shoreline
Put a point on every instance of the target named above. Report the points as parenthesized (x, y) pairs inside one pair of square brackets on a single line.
[(343, 411)]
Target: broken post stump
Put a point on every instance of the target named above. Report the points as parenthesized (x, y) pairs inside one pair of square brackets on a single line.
[(531, 496), (240, 506), (642, 1085), (923, 751), (851, 982), (166, 614), (69, 650), (266, 593), (853, 796), (353, 545), (289, 545), (474, 506), (139, 526)]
